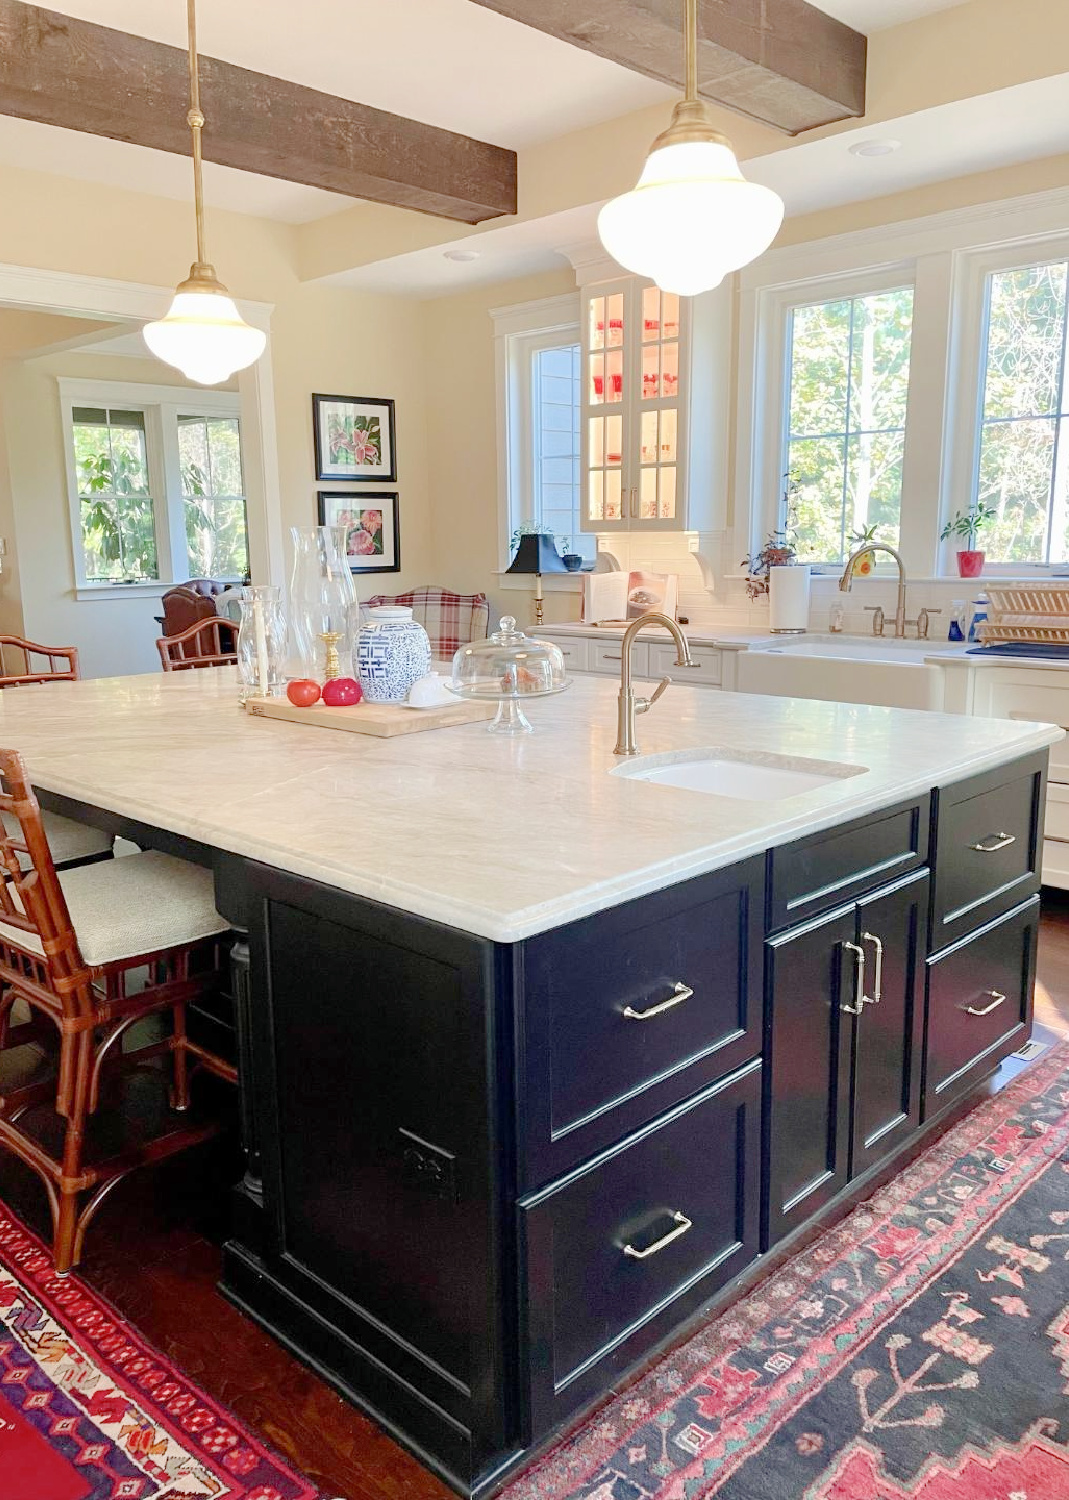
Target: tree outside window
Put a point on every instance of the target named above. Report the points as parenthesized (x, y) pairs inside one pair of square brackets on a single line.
[(1023, 461), (213, 492), (118, 520), (849, 382)]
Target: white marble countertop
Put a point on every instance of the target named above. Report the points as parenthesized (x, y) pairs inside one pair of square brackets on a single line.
[(500, 837)]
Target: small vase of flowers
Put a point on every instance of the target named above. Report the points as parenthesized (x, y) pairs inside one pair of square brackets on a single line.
[(968, 526)]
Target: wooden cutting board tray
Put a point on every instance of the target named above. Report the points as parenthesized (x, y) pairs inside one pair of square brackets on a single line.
[(382, 719)]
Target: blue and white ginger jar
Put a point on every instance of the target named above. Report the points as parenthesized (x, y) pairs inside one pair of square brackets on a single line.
[(393, 653)]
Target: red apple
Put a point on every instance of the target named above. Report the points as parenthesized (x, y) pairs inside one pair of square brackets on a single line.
[(342, 692), (303, 692)]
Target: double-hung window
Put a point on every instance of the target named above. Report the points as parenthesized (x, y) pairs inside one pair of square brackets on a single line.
[(1022, 459), (844, 425), (156, 483)]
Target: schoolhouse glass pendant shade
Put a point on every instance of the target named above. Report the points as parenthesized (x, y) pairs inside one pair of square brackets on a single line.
[(693, 217), (203, 334)]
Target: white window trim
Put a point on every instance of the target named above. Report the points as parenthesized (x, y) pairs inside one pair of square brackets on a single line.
[(946, 256), (518, 329), (162, 405)]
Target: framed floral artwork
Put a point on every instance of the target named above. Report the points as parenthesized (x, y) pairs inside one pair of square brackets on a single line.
[(354, 438), (372, 538)]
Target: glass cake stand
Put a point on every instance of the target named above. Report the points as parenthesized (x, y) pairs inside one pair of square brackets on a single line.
[(508, 668)]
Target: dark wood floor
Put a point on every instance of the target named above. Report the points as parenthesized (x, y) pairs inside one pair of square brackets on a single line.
[(154, 1252)]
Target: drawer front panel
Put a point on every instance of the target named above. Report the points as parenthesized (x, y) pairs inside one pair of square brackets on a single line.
[(819, 873), (621, 1252), (1056, 820), (979, 1004), (987, 848), (632, 1010), (1040, 698), (575, 649), (606, 656), (706, 668)]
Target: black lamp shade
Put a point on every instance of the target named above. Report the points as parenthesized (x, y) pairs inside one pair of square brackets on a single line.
[(537, 554)]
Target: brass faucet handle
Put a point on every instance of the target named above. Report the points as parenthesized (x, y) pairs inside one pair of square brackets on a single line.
[(879, 618), (923, 622), (643, 705)]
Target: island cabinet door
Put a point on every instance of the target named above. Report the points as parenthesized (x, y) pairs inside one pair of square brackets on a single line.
[(626, 1248), (811, 992), (890, 1028)]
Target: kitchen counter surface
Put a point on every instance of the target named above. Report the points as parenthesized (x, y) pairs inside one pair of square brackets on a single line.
[(500, 837)]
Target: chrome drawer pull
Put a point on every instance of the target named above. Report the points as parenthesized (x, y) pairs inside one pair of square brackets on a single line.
[(682, 1224), (859, 960), (877, 978), (996, 1001), (994, 841), (679, 994)]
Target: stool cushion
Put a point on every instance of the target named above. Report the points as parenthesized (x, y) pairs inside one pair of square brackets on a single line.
[(67, 839), (143, 903)]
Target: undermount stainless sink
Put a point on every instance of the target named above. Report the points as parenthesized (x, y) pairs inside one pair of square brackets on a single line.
[(726, 773)]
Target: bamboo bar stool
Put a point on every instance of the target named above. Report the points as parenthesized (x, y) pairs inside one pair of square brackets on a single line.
[(69, 946), (206, 643)]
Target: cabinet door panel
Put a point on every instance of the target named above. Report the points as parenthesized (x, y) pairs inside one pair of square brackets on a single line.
[(887, 1050), (808, 1056)]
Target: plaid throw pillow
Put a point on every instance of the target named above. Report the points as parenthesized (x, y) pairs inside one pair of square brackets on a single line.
[(450, 620)]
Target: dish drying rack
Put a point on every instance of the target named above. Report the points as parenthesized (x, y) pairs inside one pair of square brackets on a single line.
[(1037, 615)]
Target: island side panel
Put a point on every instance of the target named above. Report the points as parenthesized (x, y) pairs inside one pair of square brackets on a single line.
[(382, 1070)]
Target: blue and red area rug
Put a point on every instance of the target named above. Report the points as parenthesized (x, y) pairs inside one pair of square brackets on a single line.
[(919, 1351), (89, 1411)]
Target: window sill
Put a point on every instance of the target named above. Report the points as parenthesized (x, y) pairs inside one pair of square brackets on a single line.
[(153, 590)]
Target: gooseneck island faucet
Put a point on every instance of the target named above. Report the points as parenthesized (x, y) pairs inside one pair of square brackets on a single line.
[(628, 704)]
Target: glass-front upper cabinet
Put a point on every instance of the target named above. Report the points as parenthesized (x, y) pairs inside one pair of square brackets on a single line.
[(636, 405)]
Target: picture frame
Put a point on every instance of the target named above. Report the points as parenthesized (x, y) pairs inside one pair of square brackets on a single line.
[(373, 536), (355, 438)]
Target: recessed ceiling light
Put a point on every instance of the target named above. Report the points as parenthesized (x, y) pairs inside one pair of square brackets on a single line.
[(461, 254), (874, 148)]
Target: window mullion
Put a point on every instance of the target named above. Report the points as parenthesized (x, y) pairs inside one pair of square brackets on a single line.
[(1056, 508)]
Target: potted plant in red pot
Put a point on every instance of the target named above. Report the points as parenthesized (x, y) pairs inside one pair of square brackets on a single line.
[(969, 527)]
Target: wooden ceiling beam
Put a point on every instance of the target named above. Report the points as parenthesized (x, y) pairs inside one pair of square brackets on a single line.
[(783, 62), (61, 71)]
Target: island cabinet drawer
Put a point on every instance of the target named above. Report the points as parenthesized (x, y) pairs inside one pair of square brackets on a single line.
[(820, 872), (575, 649), (606, 656), (979, 1004), (706, 669), (628, 1012), (622, 1251), (987, 847)]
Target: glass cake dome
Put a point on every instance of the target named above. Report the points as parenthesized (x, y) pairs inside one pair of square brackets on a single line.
[(507, 668)]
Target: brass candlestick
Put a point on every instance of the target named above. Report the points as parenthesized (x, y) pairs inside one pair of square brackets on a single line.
[(330, 639)]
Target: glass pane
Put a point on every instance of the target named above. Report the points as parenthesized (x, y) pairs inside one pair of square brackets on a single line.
[(614, 376), (879, 360), (193, 453), (224, 442), (614, 508), (597, 379), (820, 355), (647, 495), (597, 442), (818, 466), (874, 484), (651, 361), (596, 495), (614, 452), (615, 319), (649, 437), (1026, 330), (668, 492), (670, 310), (597, 323), (1016, 468), (651, 314), (669, 423), (670, 370)]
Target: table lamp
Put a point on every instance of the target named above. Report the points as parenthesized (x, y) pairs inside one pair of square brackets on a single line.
[(536, 555)]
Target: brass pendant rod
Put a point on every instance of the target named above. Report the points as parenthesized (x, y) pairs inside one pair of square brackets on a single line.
[(690, 46), (195, 120)]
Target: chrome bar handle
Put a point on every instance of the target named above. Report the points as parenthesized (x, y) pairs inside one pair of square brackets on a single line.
[(859, 960), (680, 993), (985, 1010), (993, 841), (682, 1224), (877, 977)]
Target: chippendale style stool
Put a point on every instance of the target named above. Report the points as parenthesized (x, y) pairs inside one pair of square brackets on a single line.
[(91, 952)]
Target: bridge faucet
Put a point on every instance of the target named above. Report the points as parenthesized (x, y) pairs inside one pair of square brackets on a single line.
[(847, 579)]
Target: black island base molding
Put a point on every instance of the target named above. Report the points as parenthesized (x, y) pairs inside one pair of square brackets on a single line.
[(494, 1178)]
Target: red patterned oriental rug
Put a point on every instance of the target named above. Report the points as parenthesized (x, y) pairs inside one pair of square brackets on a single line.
[(920, 1349), (89, 1411)]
